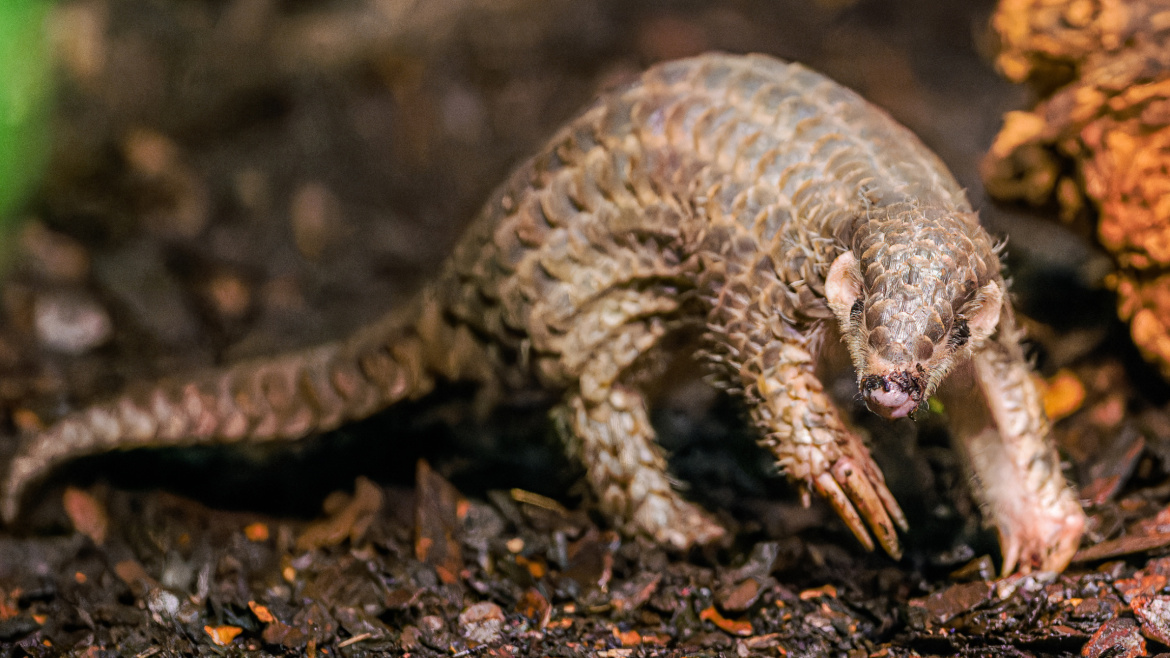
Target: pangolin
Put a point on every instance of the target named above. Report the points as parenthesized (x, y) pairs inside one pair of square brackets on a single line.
[(750, 200)]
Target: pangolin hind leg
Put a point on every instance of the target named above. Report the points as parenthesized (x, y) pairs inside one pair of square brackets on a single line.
[(626, 469), (606, 425)]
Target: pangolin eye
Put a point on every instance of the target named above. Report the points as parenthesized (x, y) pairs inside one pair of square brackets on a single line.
[(960, 334), (855, 311)]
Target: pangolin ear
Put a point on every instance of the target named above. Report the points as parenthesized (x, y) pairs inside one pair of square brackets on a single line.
[(983, 322), (843, 285)]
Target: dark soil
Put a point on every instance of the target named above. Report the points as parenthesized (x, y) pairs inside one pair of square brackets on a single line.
[(237, 177)]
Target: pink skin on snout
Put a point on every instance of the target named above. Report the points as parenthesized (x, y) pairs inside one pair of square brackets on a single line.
[(888, 400)]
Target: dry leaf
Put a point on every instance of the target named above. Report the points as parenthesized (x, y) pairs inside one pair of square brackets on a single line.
[(629, 638), (824, 590), (87, 513), (1063, 395), (348, 517), (134, 574), (222, 635), (261, 612), (256, 532), (436, 524), (732, 626)]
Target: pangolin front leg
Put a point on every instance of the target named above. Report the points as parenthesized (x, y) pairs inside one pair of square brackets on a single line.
[(998, 423), (801, 427)]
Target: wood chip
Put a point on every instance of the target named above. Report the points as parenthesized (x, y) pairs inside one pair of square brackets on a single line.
[(436, 524), (222, 635), (87, 514)]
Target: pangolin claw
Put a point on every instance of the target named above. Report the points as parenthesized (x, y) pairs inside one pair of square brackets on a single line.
[(863, 489), (831, 490), (860, 499)]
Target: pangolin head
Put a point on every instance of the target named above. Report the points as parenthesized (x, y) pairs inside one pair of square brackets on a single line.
[(918, 290)]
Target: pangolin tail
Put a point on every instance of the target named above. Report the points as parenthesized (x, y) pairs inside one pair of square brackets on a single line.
[(267, 399)]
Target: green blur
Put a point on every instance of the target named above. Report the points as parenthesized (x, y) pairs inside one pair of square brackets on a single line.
[(25, 92)]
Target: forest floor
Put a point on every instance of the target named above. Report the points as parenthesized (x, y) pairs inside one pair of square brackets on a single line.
[(236, 177)]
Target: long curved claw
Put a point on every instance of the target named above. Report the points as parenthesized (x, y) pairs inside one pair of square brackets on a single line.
[(857, 455), (828, 487), (1011, 555), (871, 504), (892, 506)]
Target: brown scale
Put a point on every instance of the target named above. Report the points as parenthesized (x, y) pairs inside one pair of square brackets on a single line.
[(745, 197)]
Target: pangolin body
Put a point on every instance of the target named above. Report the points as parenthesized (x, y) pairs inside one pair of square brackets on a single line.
[(750, 198)]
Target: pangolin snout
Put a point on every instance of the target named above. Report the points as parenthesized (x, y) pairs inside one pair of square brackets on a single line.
[(893, 396)]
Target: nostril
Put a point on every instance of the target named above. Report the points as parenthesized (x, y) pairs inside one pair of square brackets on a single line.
[(874, 382)]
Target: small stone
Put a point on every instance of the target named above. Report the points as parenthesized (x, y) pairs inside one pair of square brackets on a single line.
[(70, 322), (481, 622), (742, 596), (431, 623), (78, 31), (411, 638), (253, 190), (87, 513), (149, 152), (181, 205), (162, 604)]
